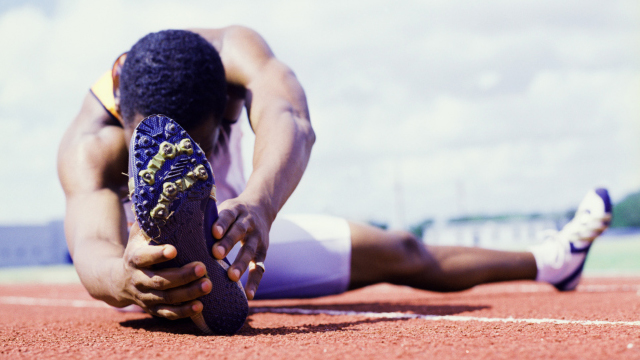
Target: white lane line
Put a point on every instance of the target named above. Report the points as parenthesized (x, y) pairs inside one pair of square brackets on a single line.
[(399, 315), (608, 288), (22, 300), (540, 288)]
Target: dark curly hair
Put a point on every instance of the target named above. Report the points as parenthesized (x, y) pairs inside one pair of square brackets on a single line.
[(176, 73)]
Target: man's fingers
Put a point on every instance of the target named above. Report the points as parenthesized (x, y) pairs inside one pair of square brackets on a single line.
[(226, 217), (173, 312), (245, 255), (253, 280), (177, 295), (148, 255), (237, 232), (238, 222), (188, 292), (169, 278)]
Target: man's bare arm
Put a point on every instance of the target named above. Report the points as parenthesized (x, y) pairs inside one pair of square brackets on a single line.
[(278, 112), (93, 221), (114, 266)]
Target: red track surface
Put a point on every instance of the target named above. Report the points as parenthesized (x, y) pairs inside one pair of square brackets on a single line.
[(55, 329)]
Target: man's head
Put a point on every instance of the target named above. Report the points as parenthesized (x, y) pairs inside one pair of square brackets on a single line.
[(176, 73)]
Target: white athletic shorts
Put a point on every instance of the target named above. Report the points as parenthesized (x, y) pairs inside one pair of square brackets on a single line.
[(308, 256)]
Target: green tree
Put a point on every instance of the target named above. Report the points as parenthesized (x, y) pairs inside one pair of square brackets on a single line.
[(419, 228), (626, 213)]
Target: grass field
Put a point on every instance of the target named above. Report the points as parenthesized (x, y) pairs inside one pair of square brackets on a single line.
[(617, 256)]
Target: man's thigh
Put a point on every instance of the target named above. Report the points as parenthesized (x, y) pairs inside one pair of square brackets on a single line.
[(308, 256)]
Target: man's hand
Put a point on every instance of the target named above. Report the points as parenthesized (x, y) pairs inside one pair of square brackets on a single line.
[(169, 293), (247, 223)]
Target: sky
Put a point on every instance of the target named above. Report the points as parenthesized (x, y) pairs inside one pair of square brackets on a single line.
[(421, 109)]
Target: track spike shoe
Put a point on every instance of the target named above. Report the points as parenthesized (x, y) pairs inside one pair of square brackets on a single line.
[(560, 258), (173, 195)]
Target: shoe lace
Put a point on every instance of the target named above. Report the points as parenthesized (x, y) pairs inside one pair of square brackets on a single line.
[(553, 243), (585, 226)]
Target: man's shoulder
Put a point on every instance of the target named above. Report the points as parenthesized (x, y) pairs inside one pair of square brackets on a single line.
[(231, 38), (220, 33), (93, 153)]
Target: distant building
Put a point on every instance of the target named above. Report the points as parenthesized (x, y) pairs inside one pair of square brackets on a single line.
[(502, 232)]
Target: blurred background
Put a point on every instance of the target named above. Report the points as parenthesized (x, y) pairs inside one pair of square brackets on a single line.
[(431, 116)]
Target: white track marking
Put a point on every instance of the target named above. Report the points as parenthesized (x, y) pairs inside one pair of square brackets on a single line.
[(540, 288), (22, 300), (32, 301), (608, 288), (399, 315)]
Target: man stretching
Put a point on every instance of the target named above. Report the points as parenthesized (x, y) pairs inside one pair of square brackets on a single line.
[(203, 79)]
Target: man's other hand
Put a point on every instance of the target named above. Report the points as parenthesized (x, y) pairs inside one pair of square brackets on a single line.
[(169, 293), (247, 223)]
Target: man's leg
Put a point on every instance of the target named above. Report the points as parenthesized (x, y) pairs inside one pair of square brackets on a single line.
[(398, 257)]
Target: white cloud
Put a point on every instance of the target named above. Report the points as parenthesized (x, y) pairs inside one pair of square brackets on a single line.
[(22, 34), (488, 79)]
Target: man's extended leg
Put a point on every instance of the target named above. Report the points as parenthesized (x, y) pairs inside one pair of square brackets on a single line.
[(317, 255), (398, 257)]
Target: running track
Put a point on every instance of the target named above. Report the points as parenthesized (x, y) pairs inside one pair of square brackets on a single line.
[(520, 320)]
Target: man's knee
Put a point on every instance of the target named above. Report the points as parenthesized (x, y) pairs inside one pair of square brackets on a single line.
[(411, 256), (408, 243), (385, 256), (418, 267)]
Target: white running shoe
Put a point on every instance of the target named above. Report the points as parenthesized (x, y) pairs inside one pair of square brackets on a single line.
[(561, 257)]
